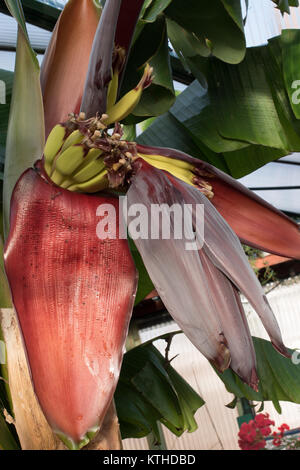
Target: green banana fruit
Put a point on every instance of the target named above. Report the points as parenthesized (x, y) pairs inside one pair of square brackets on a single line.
[(67, 162), (76, 137), (53, 145), (112, 90), (95, 184)]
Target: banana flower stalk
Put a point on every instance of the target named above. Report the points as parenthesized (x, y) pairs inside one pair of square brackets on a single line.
[(74, 293)]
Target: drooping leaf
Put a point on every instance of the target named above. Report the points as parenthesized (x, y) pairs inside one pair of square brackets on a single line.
[(250, 158), (170, 131), (290, 40), (6, 83), (150, 390), (279, 377), (284, 5), (219, 23), (151, 47), (25, 134), (244, 108), (154, 9)]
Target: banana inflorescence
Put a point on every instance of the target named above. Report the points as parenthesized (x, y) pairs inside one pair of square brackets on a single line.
[(83, 155), (80, 155)]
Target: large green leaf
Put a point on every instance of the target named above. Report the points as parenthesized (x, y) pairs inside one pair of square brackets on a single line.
[(243, 120), (218, 23), (154, 9), (190, 49), (244, 107), (151, 47), (279, 377), (25, 134), (6, 83), (290, 40), (150, 390), (244, 161), (193, 109)]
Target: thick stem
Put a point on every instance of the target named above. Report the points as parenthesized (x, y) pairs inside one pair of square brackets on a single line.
[(32, 428)]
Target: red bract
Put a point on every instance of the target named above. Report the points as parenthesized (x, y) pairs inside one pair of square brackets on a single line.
[(74, 295), (202, 293), (65, 64)]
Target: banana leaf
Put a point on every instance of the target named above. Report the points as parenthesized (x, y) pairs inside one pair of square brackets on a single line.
[(25, 133), (217, 23), (245, 118), (150, 390), (284, 5), (6, 78), (279, 377), (151, 47)]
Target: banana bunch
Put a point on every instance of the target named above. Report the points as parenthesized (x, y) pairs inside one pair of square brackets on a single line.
[(82, 155), (181, 169), (71, 163)]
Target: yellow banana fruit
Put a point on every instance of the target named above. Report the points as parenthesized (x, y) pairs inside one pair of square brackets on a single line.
[(129, 101), (53, 144), (182, 170), (178, 168), (171, 162)]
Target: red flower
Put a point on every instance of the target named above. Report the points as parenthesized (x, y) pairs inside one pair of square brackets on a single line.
[(252, 434), (283, 427)]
